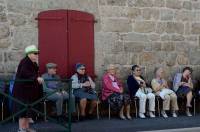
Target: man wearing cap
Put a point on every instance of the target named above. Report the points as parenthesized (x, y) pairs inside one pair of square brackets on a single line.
[(51, 86), (27, 92)]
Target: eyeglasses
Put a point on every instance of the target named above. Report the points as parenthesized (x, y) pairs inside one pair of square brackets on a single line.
[(82, 69), (139, 70)]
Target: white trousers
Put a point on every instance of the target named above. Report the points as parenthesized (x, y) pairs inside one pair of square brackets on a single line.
[(143, 97)]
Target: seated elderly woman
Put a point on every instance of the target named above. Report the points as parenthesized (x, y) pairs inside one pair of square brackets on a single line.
[(138, 87), (112, 93), (183, 86), (160, 87), (84, 89)]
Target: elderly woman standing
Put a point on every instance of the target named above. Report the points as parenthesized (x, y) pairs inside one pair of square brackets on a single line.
[(27, 92), (160, 87), (84, 89), (113, 91), (183, 86)]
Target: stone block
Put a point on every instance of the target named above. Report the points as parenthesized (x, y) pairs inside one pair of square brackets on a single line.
[(168, 46), (113, 11), (14, 56), (196, 5), (187, 5), (135, 37), (116, 25), (177, 38), (24, 36), (144, 26), (134, 59), (184, 16), (118, 47), (16, 19), (150, 14), (5, 43), (166, 14), (104, 42), (171, 59), (102, 2), (3, 17), (154, 37), (174, 4), (161, 27), (165, 37), (20, 6), (182, 59), (141, 3), (147, 58), (159, 3), (2, 8), (195, 28), (156, 46), (194, 58), (182, 47), (116, 2), (4, 31), (133, 46), (134, 13), (175, 27)]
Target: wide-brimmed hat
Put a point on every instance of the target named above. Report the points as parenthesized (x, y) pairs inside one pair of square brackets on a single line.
[(31, 49)]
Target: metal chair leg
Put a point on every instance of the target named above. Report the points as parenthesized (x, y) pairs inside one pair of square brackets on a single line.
[(45, 111), (78, 111), (194, 107), (158, 103), (2, 111), (136, 111), (98, 110), (109, 111), (66, 108)]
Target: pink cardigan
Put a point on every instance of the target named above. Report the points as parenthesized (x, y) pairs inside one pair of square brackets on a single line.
[(108, 88)]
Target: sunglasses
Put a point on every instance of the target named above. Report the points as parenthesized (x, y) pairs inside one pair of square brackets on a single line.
[(82, 69)]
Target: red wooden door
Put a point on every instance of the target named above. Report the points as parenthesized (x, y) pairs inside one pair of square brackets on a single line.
[(81, 40), (65, 38)]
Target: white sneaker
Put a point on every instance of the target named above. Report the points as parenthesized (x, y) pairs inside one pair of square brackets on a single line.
[(30, 120), (164, 114), (174, 114), (141, 115), (188, 113), (151, 114)]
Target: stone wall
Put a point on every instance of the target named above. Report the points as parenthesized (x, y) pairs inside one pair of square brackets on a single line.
[(146, 32)]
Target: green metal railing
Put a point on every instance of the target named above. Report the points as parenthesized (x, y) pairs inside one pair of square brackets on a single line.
[(31, 106)]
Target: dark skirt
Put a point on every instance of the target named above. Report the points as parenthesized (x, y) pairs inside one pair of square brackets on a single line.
[(183, 91), (26, 95), (81, 93), (118, 100)]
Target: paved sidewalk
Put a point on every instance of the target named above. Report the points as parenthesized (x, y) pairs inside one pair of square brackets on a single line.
[(195, 129)]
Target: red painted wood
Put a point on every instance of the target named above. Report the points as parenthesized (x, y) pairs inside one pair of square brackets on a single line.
[(81, 40), (65, 38)]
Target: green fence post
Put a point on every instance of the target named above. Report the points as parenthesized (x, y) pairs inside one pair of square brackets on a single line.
[(70, 105)]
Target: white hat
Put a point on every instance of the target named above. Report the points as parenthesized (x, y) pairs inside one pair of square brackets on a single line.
[(31, 49)]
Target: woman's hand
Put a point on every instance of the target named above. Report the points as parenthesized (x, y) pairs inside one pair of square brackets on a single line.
[(121, 90), (40, 80), (182, 83), (86, 84)]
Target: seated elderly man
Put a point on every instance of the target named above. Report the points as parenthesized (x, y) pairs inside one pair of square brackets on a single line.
[(59, 96)]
